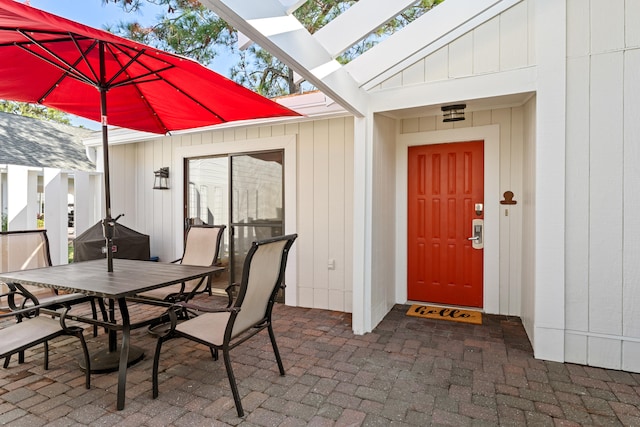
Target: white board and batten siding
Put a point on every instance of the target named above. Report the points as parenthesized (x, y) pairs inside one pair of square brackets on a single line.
[(323, 188), (603, 225), (503, 43), (383, 254)]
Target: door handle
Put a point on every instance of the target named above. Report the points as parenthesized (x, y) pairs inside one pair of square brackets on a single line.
[(477, 231)]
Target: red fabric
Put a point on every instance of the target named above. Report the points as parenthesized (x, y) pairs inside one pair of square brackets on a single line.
[(190, 95)]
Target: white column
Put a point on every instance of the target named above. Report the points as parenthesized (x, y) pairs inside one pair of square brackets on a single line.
[(362, 225), (549, 313), (22, 197), (87, 201), (55, 213)]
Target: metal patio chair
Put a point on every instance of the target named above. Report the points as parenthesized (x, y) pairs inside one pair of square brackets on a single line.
[(224, 329), (202, 247), (32, 329), (25, 250)]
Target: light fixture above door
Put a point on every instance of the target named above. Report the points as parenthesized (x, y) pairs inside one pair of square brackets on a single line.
[(453, 113)]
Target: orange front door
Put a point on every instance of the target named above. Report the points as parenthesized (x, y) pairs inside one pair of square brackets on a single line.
[(445, 183)]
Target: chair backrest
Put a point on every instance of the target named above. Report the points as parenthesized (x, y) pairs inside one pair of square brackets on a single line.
[(201, 247), (24, 250), (263, 274)]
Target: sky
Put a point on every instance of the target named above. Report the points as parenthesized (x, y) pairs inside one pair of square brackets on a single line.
[(95, 14)]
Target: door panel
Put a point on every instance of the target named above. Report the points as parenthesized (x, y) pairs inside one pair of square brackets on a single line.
[(445, 183), (257, 202)]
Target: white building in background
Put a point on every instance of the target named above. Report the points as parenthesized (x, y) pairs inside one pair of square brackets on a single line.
[(47, 179), (551, 93)]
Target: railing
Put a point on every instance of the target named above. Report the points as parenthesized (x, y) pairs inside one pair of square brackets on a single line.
[(34, 197)]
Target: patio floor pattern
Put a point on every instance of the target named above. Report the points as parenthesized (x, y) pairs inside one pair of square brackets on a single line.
[(407, 372)]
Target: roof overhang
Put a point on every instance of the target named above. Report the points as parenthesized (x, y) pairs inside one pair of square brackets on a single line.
[(312, 106)]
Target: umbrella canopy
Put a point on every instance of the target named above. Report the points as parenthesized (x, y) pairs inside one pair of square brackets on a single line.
[(50, 60)]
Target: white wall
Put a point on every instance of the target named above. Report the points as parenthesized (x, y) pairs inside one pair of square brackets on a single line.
[(383, 254), (506, 42), (550, 175), (324, 199), (528, 202), (603, 131)]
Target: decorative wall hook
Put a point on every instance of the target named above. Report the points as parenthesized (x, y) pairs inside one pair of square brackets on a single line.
[(508, 198)]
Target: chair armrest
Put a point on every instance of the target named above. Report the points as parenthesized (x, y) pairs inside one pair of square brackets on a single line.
[(15, 289), (175, 260), (7, 294), (28, 310), (205, 309), (181, 306), (60, 299), (229, 291), (150, 301)]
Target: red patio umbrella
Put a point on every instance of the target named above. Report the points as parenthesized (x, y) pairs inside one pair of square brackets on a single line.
[(50, 60)]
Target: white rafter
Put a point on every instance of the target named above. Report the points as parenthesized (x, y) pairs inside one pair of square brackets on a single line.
[(271, 24), (358, 22), (292, 5), (267, 23)]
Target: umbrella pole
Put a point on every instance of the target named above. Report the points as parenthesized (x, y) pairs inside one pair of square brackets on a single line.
[(108, 224)]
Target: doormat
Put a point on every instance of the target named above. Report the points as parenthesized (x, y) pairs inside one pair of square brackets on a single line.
[(444, 313)]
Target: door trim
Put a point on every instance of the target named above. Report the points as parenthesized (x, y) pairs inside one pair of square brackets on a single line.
[(491, 136), (288, 143)]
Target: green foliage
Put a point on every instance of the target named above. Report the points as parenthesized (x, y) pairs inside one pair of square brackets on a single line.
[(189, 29), (35, 111), (186, 28), (5, 222), (262, 72), (70, 252)]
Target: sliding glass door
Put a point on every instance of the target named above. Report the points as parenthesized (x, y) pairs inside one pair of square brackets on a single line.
[(245, 192), (257, 201)]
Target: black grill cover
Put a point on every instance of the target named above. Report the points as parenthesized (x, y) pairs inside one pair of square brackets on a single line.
[(128, 244)]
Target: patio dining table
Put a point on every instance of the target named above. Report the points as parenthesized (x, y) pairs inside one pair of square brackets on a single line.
[(129, 278)]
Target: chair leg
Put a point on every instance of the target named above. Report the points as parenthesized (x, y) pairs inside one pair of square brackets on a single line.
[(232, 382), (275, 349), (46, 355), (6, 361), (103, 310), (87, 359), (94, 314), (214, 353), (21, 357), (156, 363)]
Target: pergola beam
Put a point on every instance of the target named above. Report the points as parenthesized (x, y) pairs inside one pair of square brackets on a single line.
[(292, 5), (267, 23), (358, 22)]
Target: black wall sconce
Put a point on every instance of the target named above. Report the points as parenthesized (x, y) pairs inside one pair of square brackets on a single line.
[(453, 113), (161, 180)]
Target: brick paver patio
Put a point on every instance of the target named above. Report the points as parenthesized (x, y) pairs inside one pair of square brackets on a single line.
[(408, 372)]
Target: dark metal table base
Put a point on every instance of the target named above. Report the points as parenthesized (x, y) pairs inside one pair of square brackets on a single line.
[(109, 361)]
